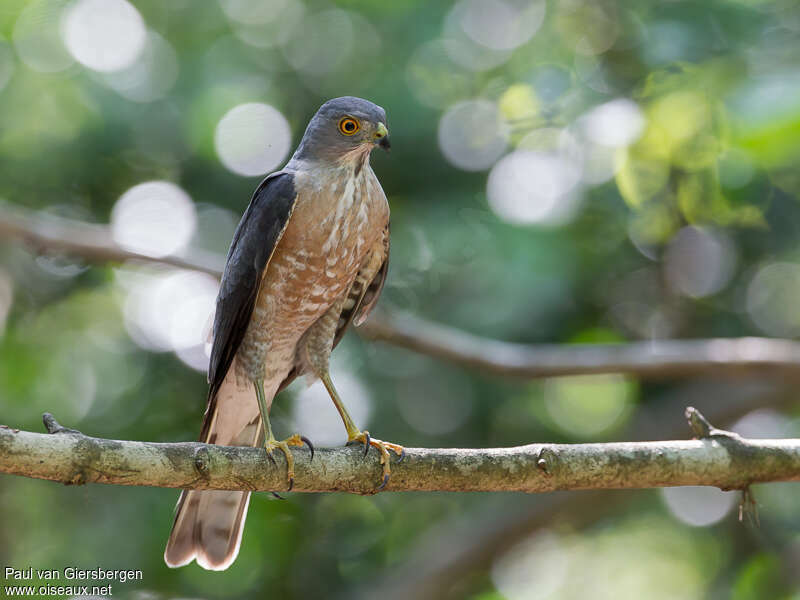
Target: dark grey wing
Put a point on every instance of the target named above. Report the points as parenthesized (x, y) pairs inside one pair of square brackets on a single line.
[(254, 241)]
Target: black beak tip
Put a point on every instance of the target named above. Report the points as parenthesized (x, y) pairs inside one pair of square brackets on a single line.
[(384, 143)]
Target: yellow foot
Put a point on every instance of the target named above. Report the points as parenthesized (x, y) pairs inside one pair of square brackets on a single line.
[(296, 440), (363, 437)]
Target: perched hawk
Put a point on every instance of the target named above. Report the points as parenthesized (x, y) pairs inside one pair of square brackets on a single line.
[(308, 258)]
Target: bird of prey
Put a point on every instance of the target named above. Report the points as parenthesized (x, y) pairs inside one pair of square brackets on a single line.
[(308, 258)]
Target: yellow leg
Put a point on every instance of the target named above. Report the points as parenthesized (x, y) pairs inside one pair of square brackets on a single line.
[(270, 443), (354, 435)]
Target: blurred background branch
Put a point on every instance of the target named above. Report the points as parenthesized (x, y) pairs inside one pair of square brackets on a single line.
[(648, 359), (722, 460), (51, 234), (656, 358), (433, 568), (597, 183)]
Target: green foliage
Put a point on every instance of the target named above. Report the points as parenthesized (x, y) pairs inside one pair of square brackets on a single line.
[(585, 239)]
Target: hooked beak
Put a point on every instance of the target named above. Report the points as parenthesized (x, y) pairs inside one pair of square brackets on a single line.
[(382, 137)]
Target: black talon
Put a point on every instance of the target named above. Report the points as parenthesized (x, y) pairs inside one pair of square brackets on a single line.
[(308, 443), (366, 442), (385, 481), (291, 485), (402, 455), (277, 495), (272, 458)]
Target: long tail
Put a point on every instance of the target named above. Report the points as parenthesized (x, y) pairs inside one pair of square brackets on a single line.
[(208, 524)]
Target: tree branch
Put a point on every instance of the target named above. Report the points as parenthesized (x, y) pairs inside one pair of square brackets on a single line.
[(722, 460), (655, 359), (659, 358), (469, 541), (91, 242)]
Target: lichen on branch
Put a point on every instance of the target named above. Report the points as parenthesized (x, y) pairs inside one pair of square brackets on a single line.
[(719, 459)]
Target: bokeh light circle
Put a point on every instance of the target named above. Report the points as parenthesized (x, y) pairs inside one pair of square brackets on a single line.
[(772, 299), (534, 569), (252, 139), (315, 415), (590, 26), (586, 406), (156, 218), (37, 37), (699, 262), (152, 76), (434, 78), (698, 506), (453, 408), (500, 24), (763, 423), (104, 35), (267, 23), (170, 310), (328, 39), (473, 135), (529, 187), (253, 12), (462, 48), (615, 124)]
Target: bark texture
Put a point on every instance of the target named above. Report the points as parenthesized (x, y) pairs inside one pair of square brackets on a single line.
[(721, 459)]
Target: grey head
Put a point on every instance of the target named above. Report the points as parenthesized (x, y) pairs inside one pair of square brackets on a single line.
[(344, 129)]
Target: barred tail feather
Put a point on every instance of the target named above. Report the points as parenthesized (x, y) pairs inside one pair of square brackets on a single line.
[(211, 530), (209, 523)]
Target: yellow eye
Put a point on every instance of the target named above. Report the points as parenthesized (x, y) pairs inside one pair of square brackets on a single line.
[(349, 125)]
